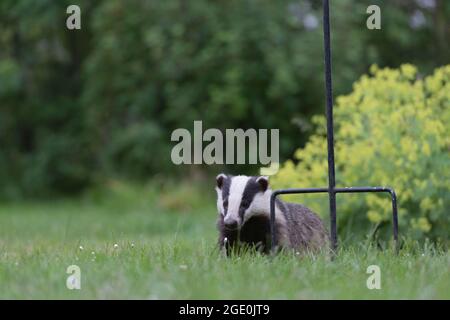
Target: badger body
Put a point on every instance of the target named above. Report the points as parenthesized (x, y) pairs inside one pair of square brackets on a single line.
[(243, 205)]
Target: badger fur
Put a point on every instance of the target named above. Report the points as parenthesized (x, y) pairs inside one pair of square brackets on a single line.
[(243, 204)]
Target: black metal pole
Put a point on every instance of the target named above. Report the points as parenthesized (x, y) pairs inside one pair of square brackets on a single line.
[(272, 221), (330, 130), (395, 220)]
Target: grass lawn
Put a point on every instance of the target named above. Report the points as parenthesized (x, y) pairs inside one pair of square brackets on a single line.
[(147, 243)]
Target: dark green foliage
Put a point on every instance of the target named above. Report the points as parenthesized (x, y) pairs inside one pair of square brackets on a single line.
[(78, 106)]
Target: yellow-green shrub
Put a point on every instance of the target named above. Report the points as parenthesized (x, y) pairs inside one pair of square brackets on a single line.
[(392, 130)]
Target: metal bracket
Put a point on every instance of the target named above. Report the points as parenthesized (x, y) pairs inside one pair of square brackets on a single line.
[(333, 233)]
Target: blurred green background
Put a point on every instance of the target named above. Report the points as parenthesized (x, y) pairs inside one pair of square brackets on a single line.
[(86, 118), (80, 107)]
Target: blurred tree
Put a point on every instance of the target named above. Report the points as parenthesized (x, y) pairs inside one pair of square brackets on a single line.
[(42, 133), (77, 105)]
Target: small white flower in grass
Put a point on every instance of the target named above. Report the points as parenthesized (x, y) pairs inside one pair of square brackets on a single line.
[(297, 253), (80, 247), (132, 245), (183, 266), (93, 253), (423, 254), (116, 245)]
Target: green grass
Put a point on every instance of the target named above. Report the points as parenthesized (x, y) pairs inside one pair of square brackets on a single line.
[(166, 250)]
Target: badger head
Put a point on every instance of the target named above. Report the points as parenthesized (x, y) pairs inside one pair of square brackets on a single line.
[(239, 198)]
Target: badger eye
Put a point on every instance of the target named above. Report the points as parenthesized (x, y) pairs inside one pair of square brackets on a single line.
[(244, 204), (225, 204)]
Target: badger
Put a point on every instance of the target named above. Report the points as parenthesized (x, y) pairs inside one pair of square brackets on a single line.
[(243, 204)]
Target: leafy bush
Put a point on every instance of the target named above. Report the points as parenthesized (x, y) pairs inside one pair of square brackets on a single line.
[(393, 129)]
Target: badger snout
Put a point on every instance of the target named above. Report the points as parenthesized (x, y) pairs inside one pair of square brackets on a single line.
[(231, 223)]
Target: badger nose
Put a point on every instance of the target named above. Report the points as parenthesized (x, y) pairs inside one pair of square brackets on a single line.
[(231, 223)]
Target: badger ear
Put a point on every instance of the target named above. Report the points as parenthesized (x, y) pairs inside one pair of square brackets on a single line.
[(263, 182), (219, 180)]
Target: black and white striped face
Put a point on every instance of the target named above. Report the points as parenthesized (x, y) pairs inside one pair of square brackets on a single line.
[(241, 197)]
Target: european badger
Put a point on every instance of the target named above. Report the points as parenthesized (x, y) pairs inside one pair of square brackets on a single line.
[(244, 216)]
